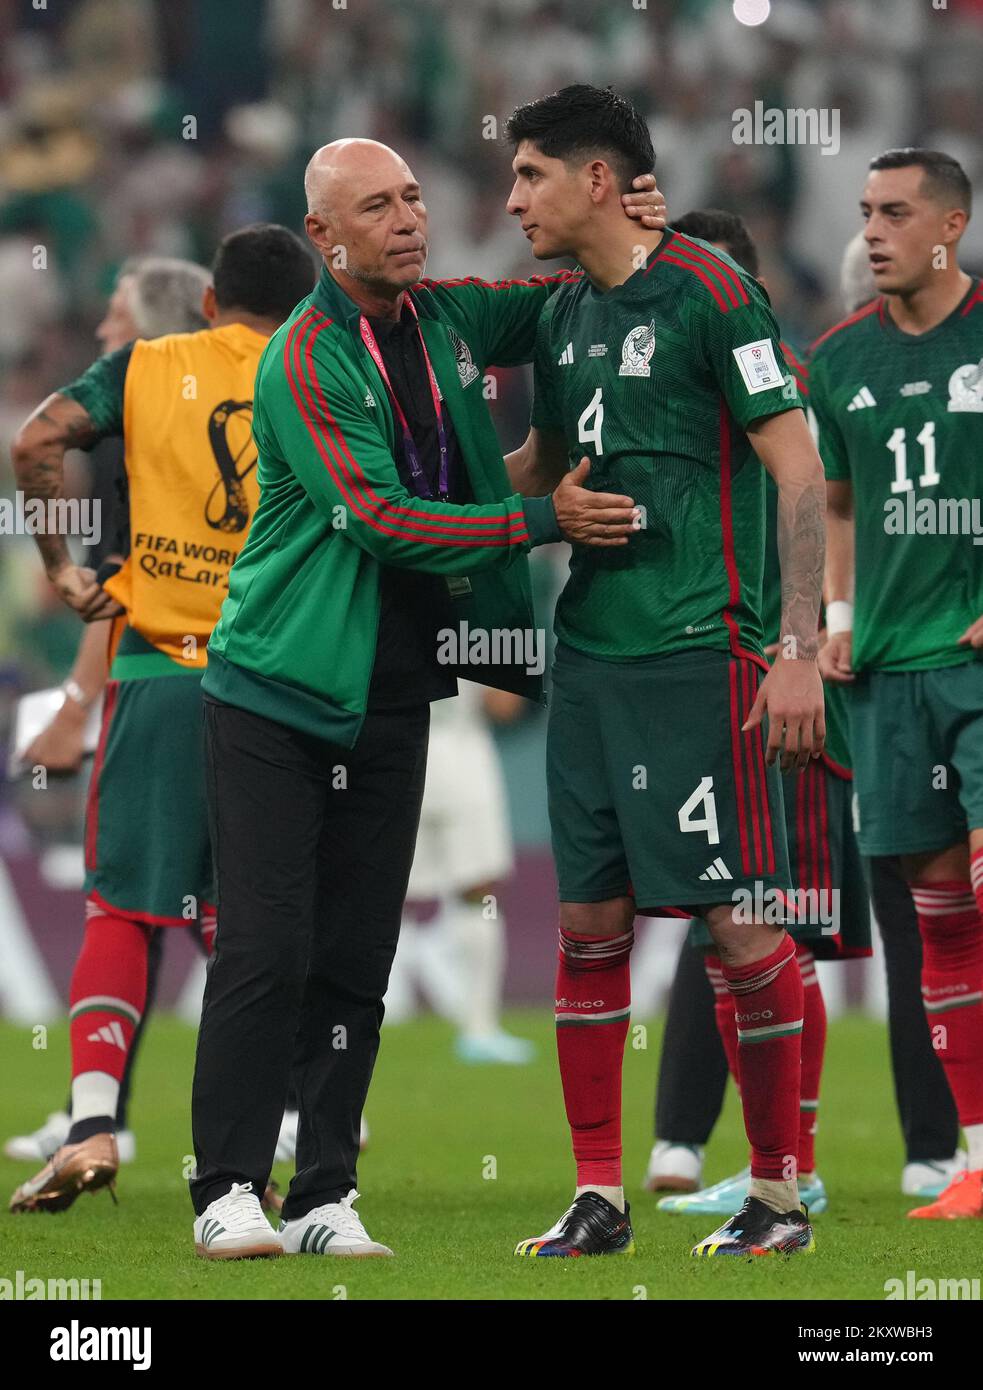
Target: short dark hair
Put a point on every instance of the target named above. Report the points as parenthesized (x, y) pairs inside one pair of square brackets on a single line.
[(264, 269), (580, 121), (945, 179), (723, 229)]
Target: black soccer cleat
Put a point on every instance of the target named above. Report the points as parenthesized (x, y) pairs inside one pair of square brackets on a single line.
[(591, 1226), (757, 1229)]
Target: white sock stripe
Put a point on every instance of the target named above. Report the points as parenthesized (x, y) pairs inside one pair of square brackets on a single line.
[(761, 981), (107, 1002)]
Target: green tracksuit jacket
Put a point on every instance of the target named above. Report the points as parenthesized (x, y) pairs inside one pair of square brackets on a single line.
[(296, 638)]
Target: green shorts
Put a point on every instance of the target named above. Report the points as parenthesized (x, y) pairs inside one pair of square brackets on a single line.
[(831, 902), (147, 851), (653, 789), (917, 741)]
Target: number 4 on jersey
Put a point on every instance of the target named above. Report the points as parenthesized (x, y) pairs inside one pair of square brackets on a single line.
[(702, 796), (590, 433)]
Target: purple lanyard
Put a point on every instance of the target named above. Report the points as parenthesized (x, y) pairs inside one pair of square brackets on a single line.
[(409, 445)]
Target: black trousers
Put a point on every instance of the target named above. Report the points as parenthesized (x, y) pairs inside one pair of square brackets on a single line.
[(693, 1069), (313, 845)]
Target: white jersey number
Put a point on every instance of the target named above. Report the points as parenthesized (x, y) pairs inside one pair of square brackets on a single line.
[(702, 796), (898, 445), (590, 433)]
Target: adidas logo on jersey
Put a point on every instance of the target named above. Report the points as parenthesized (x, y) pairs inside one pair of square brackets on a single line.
[(565, 358), (862, 399), (718, 869), (110, 1033)]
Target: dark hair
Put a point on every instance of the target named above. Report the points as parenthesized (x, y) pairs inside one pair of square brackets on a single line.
[(264, 269), (724, 229), (579, 122), (945, 179)]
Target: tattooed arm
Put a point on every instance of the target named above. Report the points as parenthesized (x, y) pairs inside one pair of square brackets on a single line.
[(792, 693), (38, 456)]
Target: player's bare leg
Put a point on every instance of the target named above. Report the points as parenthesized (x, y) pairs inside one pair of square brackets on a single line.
[(947, 887), (593, 1004)]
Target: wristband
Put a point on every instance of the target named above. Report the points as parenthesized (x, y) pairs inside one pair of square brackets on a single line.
[(839, 617)]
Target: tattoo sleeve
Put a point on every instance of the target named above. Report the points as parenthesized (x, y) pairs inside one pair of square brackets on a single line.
[(38, 454), (802, 554)]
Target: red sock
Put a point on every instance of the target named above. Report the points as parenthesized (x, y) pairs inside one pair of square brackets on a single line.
[(952, 987), (108, 991), (813, 1048), (768, 996), (593, 1003), (724, 1012)]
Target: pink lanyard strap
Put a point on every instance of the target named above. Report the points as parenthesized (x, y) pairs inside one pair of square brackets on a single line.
[(409, 444)]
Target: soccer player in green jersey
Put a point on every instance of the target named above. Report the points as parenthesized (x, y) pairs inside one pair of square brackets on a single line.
[(659, 366), (897, 389)]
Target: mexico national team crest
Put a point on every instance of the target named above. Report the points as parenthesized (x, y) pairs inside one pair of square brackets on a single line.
[(636, 353), (966, 387), (466, 369)]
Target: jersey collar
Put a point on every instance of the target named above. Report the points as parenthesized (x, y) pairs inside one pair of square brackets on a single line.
[(332, 300)]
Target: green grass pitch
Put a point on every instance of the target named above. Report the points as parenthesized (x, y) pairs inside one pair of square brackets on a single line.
[(463, 1162)]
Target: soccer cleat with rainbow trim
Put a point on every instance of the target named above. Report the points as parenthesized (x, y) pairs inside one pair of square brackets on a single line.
[(590, 1226), (757, 1229)]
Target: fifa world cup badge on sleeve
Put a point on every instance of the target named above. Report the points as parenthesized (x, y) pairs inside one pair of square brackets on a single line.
[(758, 366)]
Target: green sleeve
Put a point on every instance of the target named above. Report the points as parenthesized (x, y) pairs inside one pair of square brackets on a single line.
[(829, 440), (743, 353), (99, 391), (501, 316), (317, 422), (545, 414)]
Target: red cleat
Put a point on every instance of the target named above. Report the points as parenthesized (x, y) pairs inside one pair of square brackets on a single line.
[(961, 1199)]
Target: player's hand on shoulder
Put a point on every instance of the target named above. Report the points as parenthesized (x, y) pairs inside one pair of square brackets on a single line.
[(792, 697), (836, 658), (592, 518), (645, 202), (973, 636), (78, 587)]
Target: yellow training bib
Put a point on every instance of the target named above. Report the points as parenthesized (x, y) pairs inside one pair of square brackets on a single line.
[(191, 467)]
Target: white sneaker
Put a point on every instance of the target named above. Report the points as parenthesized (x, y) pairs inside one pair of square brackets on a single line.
[(39, 1146), (674, 1167), (46, 1141), (233, 1227), (333, 1229), (928, 1179)]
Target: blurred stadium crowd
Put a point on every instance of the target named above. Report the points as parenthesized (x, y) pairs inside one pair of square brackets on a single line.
[(136, 127)]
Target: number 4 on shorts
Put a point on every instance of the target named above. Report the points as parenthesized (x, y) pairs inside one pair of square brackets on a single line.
[(702, 796)]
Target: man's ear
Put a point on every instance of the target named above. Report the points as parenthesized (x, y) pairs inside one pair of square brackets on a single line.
[(603, 182), (318, 233), (209, 304)]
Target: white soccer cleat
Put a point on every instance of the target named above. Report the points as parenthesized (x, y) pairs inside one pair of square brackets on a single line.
[(233, 1227), (334, 1229), (45, 1142), (40, 1145), (674, 1167), (928, 1179)]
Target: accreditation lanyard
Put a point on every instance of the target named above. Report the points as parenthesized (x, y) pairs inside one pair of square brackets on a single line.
[(410, 450)]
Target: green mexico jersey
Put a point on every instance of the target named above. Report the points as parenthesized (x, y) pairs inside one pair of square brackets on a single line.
[(656, 381), (900, 416)]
